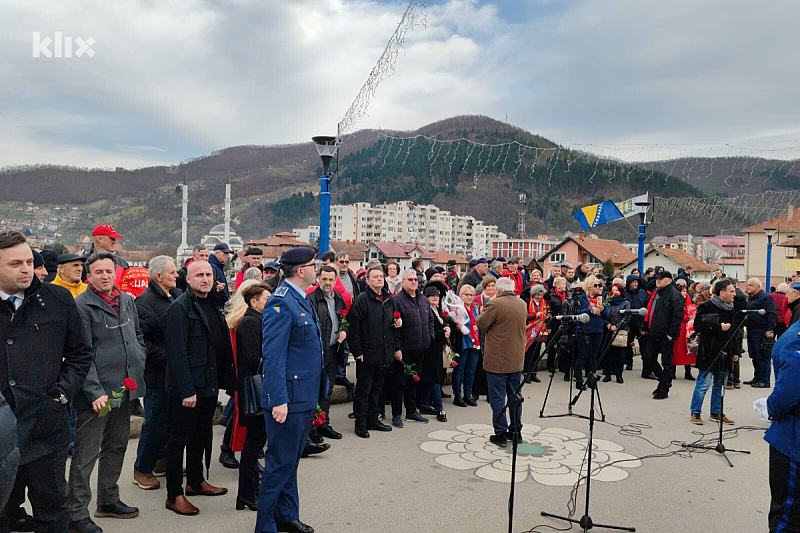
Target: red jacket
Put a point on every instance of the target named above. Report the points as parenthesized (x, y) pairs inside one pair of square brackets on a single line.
[(337, 287), (517, 278), (780, 306)]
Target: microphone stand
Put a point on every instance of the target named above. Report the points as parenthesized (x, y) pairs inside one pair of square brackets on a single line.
[(585, 521), (513, 404), (720, 446)]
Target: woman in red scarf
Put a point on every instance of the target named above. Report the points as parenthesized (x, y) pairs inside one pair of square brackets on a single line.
[(467, 342), (536, 330)]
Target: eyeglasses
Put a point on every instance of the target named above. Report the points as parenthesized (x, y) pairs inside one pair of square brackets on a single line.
[(314, 264), (121, 325), (412, 280), (343, 262), (598, 285)]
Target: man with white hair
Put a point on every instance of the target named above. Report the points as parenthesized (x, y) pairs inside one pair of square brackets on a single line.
[(502, 320), (759, 327), (151, 307), (793, 303)]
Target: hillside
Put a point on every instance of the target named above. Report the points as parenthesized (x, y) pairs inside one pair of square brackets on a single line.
[(273, 185)]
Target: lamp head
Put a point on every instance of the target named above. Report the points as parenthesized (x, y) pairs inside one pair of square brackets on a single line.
[(326, 147), (770, 232)]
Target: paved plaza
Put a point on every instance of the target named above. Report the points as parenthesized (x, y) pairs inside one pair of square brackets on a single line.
[(445, 477)]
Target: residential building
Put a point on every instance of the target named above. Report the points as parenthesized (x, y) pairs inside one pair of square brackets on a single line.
[(581, 249), (523, 247), (672, 259), (356, 250), (784, 258), (402, 253), (309, 234)]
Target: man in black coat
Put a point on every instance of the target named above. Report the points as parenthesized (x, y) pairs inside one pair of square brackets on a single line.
[(199, 363), (663, 325), (375, 343), (329, 304), (416, 336), (715, 322), (152, 307), (9, 450), (44, 359), (637, 297)]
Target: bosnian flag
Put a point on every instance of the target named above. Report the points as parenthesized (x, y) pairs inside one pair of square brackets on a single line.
[(598, 214)]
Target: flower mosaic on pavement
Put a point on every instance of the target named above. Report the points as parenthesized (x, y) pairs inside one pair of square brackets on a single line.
[(551, 456)]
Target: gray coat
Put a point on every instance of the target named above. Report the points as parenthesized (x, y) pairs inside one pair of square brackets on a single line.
[(118, 349)]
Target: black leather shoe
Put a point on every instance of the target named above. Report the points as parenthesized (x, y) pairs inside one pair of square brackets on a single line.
[(650, 376), (660, 395), (328, 431), (470, 400), (377, 425), (566, 377), (84, 526), (362, 432), (458, 401), (241, 504), (428, 410), (607, 379), (228, 460), (295, 526), (620, 380), (116, 510), (313, 449), (499, 440), (759, 385), (441, 416), (534, 379), (749, 381), (315, 437), (138, 409), (345, 383)]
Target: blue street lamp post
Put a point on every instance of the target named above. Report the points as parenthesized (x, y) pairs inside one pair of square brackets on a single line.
[(641, 230), (770, 232), (326, 147)]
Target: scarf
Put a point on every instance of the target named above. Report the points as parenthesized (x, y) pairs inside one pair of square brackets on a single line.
[(112, 300), (562, 295), (472, 324), (719, 304)]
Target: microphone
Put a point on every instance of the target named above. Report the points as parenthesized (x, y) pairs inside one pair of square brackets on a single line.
[(640, 312), (756, 311), (583, 317)]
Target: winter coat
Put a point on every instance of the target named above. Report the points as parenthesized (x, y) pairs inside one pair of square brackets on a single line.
[(596, 323), (615, 308), (766, 322), (416, 334), (780, 306), (712, 339), (783, 404), (666, 312), (46, 353), (636, 298), (680, 353), (248, 360), (372, 332), (338, 288), (470, 278), (703, 297), (152, 307), (9, 450), (320, 305), (793, 312), (503, 320), (219, 274), (190, 368), (75, 289), (118, 349), (431, 370)]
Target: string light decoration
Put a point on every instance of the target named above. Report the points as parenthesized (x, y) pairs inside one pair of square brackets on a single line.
[(415, 15), (744, 167)]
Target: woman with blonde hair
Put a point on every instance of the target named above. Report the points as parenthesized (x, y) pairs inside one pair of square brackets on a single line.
[(589, 336)]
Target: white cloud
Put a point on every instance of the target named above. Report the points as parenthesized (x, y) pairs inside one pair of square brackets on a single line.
[(189, 76)]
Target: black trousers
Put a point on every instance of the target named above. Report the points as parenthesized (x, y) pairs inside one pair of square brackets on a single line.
[(659, 344), (249, 479), (404, 388), (46, 481), (190, 429), (633, 333), (331, 362), (369, 384), (784, 487), (531, 355)]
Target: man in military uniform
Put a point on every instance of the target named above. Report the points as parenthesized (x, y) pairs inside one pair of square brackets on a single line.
[(783, 408), (293, 386)]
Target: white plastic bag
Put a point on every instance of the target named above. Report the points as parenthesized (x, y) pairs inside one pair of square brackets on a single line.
[(455, 308), (760, 407)]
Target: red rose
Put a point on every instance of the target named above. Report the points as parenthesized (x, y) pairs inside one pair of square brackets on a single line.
[(396, 315), (342, 313), (453, 364), (129, 384), (444, 314), (416, 377)]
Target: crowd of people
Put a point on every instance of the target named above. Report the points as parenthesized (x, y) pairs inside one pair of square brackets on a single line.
[(80, 354)]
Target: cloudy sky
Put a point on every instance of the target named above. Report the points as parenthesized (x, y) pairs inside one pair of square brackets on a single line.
[(172, 80)]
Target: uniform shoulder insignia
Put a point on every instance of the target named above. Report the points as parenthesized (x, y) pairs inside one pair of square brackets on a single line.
[(281, 292)]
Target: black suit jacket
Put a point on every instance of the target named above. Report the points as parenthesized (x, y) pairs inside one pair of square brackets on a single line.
[(248, 359)]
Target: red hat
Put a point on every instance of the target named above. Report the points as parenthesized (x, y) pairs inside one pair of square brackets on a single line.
[(106, 229)]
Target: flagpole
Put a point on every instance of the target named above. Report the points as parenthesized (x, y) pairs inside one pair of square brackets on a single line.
[(642, 227)]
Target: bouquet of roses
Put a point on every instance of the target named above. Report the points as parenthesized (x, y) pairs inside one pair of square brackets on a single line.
[(408, 370), (396, 318), (343, 323), (128, 384), (448, 349), (319, 418)]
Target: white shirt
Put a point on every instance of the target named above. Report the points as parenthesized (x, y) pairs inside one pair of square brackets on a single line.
[(20, 296)]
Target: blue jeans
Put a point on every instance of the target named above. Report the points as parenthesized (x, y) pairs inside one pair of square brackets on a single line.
[(155, 430), (701, 386), (761, 366), (431, 395), (501, 386), (464, 373), (341, 368)]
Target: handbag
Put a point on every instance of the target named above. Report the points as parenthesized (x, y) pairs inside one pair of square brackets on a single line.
[(621, 340), (251, 399)]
